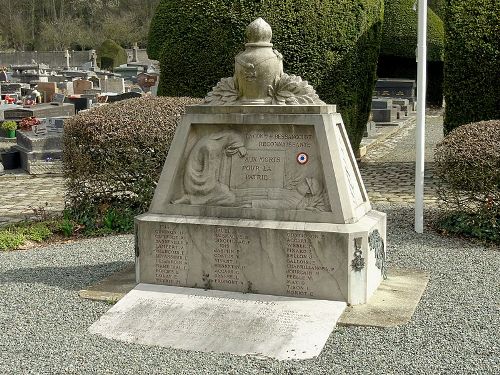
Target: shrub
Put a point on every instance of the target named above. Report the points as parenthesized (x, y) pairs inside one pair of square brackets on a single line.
[(113, 156), (333, 44), (399, 43), (472, 62), (467, 164), (110, 54)]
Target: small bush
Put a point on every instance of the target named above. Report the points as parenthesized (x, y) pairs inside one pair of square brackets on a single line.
[(113, 156), (467, 164)]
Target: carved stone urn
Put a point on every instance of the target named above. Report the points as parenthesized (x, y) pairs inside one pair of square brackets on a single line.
[(258, 66)]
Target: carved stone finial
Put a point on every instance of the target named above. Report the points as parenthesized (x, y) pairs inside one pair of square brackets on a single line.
[(259, 31), (259, 77)]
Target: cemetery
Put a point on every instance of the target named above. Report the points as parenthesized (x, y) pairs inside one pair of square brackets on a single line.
[(213, 187)]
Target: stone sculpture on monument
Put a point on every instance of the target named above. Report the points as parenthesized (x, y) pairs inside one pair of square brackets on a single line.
[(261, 193)]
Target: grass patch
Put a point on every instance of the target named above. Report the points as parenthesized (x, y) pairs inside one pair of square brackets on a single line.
[(48, 230)]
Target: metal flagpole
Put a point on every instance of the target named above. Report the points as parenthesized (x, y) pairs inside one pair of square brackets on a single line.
[(420, 137)]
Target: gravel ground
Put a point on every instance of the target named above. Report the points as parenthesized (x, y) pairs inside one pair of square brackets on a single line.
[(455, 330)]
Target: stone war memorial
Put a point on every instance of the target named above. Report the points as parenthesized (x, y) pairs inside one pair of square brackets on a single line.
[(260, 195)]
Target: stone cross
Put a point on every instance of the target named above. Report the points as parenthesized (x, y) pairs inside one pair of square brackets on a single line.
[(135, 51), (94, 58), (67, 56)]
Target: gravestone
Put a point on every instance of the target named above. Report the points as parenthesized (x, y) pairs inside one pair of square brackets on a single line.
[(383, 111), (112, 84), (59, 98), (41, 148), (80, 85), (40, 111), (48, 89), (146, 81), (398, 88), (10, 89)]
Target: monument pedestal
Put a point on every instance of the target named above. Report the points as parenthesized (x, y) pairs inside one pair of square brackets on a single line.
[(296, 259)]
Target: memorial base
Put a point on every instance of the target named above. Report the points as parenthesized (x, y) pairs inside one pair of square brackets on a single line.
[(340, 262)]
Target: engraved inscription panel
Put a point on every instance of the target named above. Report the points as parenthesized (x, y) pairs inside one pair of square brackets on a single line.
[(171, 262), (258, 169), (251, 260)]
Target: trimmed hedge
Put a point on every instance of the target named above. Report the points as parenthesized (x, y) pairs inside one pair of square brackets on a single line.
[(110, 54), (113, 156), (399, 37), (333, 44), (467, 164), (472, 62)]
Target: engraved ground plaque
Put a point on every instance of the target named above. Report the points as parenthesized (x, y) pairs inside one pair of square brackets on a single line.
[(222, 322)]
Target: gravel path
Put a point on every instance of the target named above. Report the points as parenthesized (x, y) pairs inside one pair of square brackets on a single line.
[(455, 330)]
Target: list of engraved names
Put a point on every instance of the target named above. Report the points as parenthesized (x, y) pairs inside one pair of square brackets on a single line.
[(171, 255)]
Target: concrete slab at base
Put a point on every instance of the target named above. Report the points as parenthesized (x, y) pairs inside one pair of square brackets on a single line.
[(392, 304), (112, 288), (222, 322)]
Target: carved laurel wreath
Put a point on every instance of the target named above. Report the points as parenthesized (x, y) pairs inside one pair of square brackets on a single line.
[(292, 90), (285, 90), (225, 92)]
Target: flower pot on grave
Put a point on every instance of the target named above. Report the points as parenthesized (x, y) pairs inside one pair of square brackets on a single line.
[(11, 134), (11, 160)]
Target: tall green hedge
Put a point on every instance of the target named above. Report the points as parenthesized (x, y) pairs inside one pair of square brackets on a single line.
[(399, 37), (110, 55), (333, 44), (472, 62)]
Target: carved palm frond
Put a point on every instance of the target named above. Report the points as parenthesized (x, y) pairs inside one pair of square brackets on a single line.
[(292, 90), (225, 92)]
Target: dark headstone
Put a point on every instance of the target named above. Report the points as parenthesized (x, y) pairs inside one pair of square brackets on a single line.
[(79, 103), (384, 115), (381, 103), (59, 98), (124, 96), (395, 88)]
